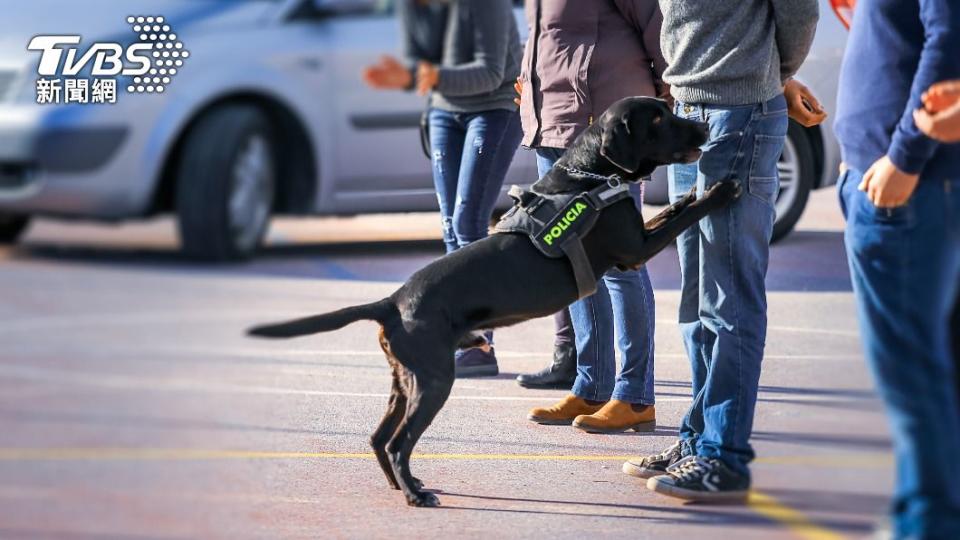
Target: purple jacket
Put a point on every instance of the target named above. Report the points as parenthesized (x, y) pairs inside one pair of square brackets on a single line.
[(582, 56)]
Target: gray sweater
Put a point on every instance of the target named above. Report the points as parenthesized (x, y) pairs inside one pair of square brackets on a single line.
[(476, 44), (734, 52)]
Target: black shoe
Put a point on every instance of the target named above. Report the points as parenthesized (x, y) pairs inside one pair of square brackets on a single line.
[(560, 374), (655, 465), (702, 480), (475, 362)]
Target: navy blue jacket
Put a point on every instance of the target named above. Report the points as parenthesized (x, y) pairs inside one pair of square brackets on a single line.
[(896, 50)]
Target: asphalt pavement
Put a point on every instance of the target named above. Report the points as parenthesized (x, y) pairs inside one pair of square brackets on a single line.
[(132, 405)]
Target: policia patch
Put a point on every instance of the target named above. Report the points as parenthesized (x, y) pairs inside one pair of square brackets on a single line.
[(570, 220), (556, 224)]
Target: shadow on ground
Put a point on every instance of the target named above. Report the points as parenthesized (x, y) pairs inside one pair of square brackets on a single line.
[(804, 261)]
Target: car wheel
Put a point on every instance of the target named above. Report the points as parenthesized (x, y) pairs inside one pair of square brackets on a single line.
[(797, 171), (11, 227), (226, 184)]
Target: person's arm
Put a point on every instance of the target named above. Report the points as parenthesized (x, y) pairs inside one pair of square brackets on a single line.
[(645, 16), (939, 60), (796, 23), (491, 24), (410, 50)]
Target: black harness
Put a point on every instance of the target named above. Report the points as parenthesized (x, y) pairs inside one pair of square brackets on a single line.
[(556, 224)]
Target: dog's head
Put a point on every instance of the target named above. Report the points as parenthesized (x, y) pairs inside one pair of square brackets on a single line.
[(638, 134)]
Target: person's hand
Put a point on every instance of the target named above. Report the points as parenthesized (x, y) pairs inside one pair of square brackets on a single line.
[(428, 76), (518, 86), (887, 186), (941, 96), (940, 116), (389, 74), (802, 105)]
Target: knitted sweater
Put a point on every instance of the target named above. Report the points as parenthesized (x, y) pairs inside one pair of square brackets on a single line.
[(734, 52)]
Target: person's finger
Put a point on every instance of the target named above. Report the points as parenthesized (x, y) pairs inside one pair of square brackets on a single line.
[(812, 101), (865, 181), (517, 101), (924, 122), (946, 87)]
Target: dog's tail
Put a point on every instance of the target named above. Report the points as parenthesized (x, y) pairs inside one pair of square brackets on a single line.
[(326, 322)]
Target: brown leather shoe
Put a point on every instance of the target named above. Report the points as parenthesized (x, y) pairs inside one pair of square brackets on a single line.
[(618, 416), (563, 412)]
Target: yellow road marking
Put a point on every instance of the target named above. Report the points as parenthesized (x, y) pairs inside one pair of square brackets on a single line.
[(110, 454), (858, 461), (796, 522), (764, 505)]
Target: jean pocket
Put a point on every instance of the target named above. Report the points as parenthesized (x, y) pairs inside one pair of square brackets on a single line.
[(762, 181), (898, 216), (766, 155), (764, 189)]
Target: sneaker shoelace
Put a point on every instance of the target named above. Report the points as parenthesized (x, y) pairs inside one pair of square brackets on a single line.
[(675, 449), (691, 468)]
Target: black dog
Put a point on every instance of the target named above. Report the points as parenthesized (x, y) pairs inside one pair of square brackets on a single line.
[(503, 279)]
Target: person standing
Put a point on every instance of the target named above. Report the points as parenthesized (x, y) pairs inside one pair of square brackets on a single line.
[(900, 194), (730, 65), (580, 58), (466, 55), (939, 118)]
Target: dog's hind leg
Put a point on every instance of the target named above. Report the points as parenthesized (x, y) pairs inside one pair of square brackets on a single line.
[(388, 426), (426, 397), (396, 408)]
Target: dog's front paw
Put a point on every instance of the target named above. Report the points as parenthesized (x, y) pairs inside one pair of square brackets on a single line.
[(424, 500), (417, 483), (728, 190)]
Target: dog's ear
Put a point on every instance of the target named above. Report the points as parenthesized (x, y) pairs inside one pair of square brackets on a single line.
[(618, 144)]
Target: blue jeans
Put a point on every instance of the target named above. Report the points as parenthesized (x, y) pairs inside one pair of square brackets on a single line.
[(471, 155), (723, 264), (905, 265), (623, 300)]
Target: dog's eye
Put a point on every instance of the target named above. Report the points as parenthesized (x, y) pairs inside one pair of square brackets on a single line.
[(657, 119)]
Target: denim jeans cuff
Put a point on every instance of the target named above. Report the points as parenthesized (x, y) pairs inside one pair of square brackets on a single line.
[(587, 391), (631, 398)]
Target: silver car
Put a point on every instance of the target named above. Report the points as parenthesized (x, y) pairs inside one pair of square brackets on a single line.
[(268, 116)]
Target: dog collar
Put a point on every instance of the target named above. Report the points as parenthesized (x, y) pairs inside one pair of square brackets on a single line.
[(613, 180)]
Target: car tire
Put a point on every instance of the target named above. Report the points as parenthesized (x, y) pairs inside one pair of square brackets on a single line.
[(11, 228), (226, 181), (797, 170)]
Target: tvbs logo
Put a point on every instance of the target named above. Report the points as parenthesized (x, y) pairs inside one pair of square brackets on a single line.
[(149, 64)]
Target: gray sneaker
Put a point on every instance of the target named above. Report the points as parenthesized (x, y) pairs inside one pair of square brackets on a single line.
[(475, 362), (655, 465)]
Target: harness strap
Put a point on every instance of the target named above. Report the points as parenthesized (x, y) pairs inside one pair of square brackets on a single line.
[(582, 271)]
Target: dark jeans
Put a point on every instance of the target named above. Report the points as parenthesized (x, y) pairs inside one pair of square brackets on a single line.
[(723, 264), (623, 306), (471, 155), (905, 267)]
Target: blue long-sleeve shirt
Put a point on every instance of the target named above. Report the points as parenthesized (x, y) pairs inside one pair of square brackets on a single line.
[(896, 50)]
